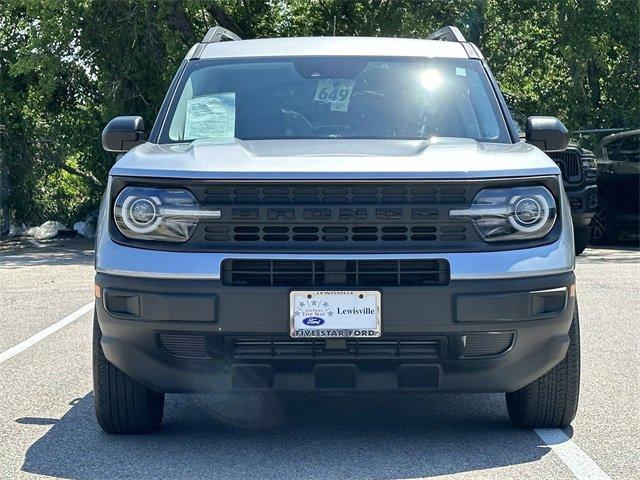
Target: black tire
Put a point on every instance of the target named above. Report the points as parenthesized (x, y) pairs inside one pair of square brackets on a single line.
[(581, 239), (603, 230), (122, 405), (551, 401)]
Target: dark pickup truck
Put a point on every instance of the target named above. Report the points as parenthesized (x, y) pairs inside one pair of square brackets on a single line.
[(579, 172)]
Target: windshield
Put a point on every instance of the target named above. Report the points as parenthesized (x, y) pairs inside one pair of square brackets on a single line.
[(337, 97)]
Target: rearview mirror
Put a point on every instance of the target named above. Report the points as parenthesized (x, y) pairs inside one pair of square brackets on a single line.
[(547, 133), (123, 133)]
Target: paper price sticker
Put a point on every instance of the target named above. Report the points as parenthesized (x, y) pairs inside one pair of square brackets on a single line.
[(336, 91)]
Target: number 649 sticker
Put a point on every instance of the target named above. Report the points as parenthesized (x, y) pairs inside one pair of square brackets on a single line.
[(335, 91)]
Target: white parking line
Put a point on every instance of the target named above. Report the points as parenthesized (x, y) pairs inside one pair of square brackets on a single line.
[(22, 346), (581, 464)]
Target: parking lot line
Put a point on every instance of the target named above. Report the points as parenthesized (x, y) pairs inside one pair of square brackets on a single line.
[(22, 346), (581, 464)]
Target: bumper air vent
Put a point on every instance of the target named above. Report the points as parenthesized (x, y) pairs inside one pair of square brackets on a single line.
[(270, 348), (486, 344), (334, 273), (184, 345)]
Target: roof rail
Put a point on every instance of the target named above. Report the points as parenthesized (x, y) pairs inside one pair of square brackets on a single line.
[(447, 34), (219, 34)]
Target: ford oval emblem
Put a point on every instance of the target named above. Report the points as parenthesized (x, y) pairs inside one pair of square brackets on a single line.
[(313, 321)]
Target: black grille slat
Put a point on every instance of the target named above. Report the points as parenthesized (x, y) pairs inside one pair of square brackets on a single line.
[(334, 273)]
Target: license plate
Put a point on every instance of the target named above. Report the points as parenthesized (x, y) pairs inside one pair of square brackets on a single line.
[(334, 314)]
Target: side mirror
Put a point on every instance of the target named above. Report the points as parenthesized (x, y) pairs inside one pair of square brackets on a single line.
[(122, 134), (547, 133)]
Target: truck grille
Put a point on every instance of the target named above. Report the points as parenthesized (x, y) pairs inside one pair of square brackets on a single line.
[(569, 163), (335, 216), (334, 273), (341, 216)]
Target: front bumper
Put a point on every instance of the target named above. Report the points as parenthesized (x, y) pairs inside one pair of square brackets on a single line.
[(583, 203), (471, 335)]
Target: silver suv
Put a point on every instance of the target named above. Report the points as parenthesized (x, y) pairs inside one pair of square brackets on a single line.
[(334, 214)]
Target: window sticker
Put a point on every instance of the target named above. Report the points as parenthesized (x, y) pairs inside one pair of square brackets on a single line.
[(211, 116), (336, 91), (461, 72)]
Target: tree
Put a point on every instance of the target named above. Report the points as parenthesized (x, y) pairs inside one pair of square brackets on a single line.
[(68, 66)]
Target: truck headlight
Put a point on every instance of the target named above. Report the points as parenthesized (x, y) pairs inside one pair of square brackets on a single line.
[(169, 215), (520, 213)]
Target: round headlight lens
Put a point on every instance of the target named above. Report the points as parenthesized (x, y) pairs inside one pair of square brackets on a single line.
[(140, 214), (529, 213), (143, 211)]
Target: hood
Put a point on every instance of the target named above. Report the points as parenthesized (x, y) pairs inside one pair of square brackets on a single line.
[(438, 158)]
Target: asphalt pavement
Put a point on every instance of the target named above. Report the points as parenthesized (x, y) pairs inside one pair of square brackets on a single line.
[(47, 426)]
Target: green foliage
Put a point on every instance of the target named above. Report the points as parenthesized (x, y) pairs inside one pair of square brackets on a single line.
[(68, 66)]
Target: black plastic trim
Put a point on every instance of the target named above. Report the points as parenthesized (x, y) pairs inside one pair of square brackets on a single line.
[(164, 107)]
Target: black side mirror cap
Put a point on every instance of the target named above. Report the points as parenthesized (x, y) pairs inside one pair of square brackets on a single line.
[(547, 133), (123, 133)]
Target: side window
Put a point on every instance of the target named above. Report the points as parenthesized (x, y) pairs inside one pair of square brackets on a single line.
[(519, 118), (629, 150)]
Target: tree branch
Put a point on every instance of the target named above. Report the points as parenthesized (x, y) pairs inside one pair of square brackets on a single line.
[(178, 21)]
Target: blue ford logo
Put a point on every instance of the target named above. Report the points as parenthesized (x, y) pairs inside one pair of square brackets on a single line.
[(313, 321)]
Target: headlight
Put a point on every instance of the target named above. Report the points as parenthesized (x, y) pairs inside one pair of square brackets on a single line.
[(521, 213), (589, 161), (158, 214)]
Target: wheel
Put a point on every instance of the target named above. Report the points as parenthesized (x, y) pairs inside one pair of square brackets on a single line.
[(122, 405), (603, 230), (551, 401), (581, 239)]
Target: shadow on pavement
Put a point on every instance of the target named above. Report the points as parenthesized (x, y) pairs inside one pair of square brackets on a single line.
[(269, 436), (622, 252), (615, 254), (29, 258)]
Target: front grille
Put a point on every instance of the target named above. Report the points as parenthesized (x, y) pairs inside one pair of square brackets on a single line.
[(334, 273), (569, 162), (269, 348), (339, 216), (335, 216), (575, 203)]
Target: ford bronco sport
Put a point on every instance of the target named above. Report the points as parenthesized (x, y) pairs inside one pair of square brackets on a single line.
[(329, 215)]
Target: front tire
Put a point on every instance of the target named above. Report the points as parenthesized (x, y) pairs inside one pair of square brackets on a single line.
[(122, 405), (551, 401), (603, 230)]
